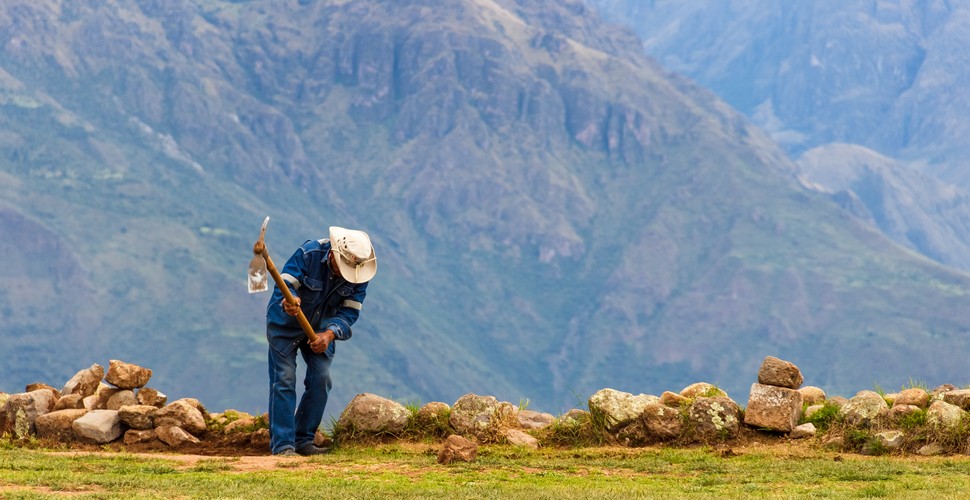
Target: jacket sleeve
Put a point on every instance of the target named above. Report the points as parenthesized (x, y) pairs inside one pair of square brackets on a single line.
[(294, 270), (347, 312)]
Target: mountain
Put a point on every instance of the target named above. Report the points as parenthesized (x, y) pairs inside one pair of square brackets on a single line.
[(887, 76), (553, 212)]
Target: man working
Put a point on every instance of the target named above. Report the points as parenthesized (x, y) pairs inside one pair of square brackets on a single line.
[(328, 279)]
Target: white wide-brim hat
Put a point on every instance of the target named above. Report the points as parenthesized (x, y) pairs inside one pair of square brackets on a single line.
[(355, 256)]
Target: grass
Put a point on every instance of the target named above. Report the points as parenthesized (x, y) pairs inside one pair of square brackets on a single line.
[(411, 471)]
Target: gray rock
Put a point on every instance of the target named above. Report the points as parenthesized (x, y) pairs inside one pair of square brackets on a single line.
[(773, 408), (98, 426), (127, 376), (372, 414), (779, 373), (573, 416), (617, 408), (930, 450)]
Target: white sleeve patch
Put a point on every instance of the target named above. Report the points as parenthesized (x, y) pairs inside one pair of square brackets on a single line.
[(289, 278), (353, 304)]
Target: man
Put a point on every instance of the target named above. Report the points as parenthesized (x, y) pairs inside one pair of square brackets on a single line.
[(328, 279)]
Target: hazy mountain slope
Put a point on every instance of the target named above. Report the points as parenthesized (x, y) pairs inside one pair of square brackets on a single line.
[(912, 208), (553, 212), (886, 75)]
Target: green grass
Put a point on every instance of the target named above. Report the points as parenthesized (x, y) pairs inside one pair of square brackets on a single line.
[(411, 471)]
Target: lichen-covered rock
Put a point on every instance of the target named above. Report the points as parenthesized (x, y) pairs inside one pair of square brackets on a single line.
[(433, 416), (891, 440), (617, 408), (23, 409), (529, 419), (372, 414), (702, 390), (714, 419), (864, 408), (481, 416), (944, 415)]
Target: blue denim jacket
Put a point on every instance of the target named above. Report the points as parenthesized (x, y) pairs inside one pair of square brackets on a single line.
[(328, 301)]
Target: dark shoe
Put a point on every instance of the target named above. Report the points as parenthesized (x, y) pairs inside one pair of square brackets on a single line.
[(310, 449), (289, 452)]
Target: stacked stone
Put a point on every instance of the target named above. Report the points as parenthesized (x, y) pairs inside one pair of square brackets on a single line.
[(90, 410), (775, 404)]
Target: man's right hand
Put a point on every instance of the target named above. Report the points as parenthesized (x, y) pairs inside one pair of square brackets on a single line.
[(294, 309)]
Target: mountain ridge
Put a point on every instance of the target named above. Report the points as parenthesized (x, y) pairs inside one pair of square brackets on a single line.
[(554, 212)]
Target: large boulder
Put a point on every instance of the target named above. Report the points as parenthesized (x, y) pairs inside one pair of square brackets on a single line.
[(482, 416), (84, 382), (126, 375), (780, 373), (372, 414), (98, 426), (23, 409), (618, 409), (714, 419), (773, 408)]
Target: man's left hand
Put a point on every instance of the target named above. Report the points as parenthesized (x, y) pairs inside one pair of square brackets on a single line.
[(323, 341)]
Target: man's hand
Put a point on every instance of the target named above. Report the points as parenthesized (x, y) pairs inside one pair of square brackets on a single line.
[(294, 309), (323, 341)]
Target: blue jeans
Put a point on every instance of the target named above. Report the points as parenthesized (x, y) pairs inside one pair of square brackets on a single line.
[(286, 429)]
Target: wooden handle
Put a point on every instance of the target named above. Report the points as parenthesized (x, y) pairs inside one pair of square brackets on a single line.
[(287, 295)]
